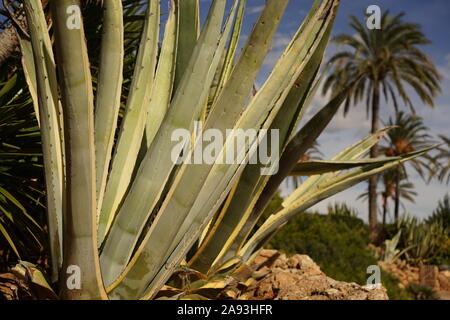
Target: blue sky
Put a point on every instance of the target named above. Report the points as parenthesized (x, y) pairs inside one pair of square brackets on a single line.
[(433, 16)]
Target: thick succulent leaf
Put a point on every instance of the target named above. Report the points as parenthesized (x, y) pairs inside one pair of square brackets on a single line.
[(260, 113), (157, 164), (80, 228), (294, 150), (162, 90), (230, 56), (311, 168), (223, 115), (133, 124), (29, 71), (251, 182), (51, 126), (323, 191), (109, 89), (352, 153), (189, 30)]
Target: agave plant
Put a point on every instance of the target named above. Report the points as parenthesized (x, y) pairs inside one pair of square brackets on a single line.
[(422, 239), (122, 215)]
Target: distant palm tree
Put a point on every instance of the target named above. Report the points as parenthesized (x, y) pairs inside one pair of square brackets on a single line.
[(405, 190), (386, 60), (444, 160), (408, 135), (312, 154), (389, 191)]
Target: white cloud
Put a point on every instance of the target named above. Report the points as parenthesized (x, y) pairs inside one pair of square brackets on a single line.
[(257, 9)]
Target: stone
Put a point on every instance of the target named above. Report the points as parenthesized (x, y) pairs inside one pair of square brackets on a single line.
[(428, 276), (444, 282), (300, 278)]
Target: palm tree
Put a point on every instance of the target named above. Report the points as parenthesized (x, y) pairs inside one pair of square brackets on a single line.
[(392, 190), (386, 61), (313, 153), (389, 191), (408, 134), (444, 160)]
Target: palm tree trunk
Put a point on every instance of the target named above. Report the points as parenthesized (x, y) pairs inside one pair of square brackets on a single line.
[(8, 36), (397, 196), (384, 210), (373, 154)]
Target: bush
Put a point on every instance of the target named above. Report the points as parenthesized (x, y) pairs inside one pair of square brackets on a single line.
[(338, 244), (421, 292)]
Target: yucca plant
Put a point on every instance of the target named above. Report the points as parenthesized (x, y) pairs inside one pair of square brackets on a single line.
[(121, 211)]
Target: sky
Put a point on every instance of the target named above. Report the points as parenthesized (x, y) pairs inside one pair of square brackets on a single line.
[(342, 132)]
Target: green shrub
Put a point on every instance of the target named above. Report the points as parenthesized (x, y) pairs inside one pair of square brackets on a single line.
[(421, 292), (338, 244), (442, 214)]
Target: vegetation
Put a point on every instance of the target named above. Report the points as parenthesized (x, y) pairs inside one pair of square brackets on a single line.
[(427, 241), (444, 158), (409, 133), (22, 196), (103, 155), (338, 243), (94, 187)]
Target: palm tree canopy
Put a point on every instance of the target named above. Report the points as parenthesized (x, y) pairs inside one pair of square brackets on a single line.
[(390, 56), (443, 157), (409, 133)]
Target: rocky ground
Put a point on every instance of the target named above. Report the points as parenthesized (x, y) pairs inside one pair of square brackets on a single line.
[(271, 275), (437, 278)]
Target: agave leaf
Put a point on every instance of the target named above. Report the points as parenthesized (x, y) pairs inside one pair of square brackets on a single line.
[(189, 30), (109, 89), (251, 182), (51, 127), (297, 147), (29, 71), (228, 63), (311, 168), (352, 153), (326, 190), (133, 124), (165, 73), (294, 150), (80, 245), (261, 111), (157, 165), (224, 113), (193, 296)]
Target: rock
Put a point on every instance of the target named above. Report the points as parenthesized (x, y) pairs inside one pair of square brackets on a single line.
[(444, 267), (300, 278), (428, 276), (444, 282), (445, 274)]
